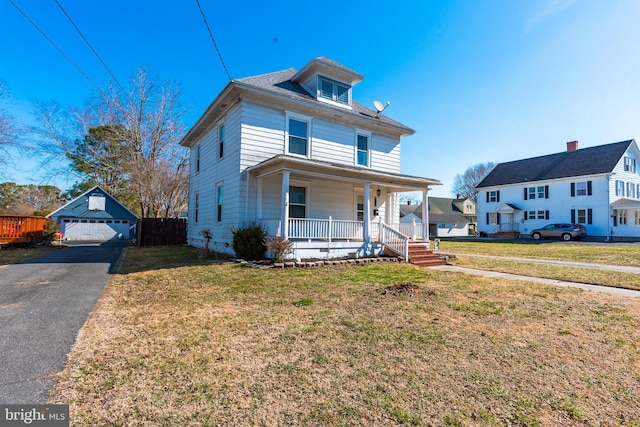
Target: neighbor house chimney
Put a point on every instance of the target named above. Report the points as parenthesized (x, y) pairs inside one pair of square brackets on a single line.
[(572, 146)]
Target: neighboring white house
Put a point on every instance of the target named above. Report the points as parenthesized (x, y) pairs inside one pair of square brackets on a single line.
[(596, 186), (447, 217), (293, 151)]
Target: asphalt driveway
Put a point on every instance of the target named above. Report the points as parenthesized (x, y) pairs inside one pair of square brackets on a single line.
[(43, 304)]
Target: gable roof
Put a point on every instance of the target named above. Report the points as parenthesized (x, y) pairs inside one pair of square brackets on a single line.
[(585, 161), (78, 207)]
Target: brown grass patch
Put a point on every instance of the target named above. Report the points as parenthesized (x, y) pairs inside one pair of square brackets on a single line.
[(223, 345)]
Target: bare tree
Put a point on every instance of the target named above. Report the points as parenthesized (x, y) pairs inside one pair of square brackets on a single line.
[(135, 134), (465, 184), (8, 129)]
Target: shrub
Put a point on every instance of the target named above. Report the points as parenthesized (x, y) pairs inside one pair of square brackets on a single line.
[(248, 241), (279, 247)]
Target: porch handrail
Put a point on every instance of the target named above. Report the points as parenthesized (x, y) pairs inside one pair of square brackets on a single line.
[(309, 228), (397, 241)]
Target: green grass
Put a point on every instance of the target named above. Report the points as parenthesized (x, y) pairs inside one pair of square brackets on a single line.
[(180, 341), (570, 274), (603, 253)]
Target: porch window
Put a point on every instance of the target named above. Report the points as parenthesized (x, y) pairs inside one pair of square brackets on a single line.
[(297, 202), (622, 216), (298, 137), (221, 142), (363, 150), (637, 217), (219, 202)]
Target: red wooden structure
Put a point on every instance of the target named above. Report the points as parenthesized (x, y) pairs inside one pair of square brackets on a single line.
[(21, 230)]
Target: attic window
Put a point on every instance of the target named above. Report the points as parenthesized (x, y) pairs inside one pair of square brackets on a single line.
[(332, 90)]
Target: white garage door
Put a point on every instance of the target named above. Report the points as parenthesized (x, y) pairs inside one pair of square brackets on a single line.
[(94, 229)]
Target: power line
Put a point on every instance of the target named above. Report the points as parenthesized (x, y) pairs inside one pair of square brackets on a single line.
[(89, 44), (54, 45), (212, 39)]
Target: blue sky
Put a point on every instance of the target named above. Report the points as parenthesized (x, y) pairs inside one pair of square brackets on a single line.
[(479, 80)]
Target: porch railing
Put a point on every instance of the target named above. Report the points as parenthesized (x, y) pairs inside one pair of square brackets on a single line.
[(325, 229), (395, 240), (331, 229)]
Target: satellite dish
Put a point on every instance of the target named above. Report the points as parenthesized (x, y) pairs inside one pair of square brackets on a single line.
[(380, 107)]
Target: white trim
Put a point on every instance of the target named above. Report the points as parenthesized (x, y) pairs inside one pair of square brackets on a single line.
[(301, 118), (366, 133)]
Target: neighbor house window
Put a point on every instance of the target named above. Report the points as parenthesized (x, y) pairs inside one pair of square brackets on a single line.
[(629, 164), (620, 188), (631, 189), (622, 216), (219, 202), (529, 215), (362, 150), (297, 202), (221, 142), (330, 89), (298, 137)]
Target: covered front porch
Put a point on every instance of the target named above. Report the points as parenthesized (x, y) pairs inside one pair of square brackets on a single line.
[(330, 210)]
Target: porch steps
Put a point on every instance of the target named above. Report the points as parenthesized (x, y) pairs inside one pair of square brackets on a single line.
[(421, 256)]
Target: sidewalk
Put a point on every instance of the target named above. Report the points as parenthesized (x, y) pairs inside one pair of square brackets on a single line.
[(508, 276)]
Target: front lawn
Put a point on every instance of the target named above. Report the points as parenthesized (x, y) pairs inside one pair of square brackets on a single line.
[(171, 343), (601, 253)]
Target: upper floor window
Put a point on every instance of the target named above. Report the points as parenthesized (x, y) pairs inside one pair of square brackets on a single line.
[(362, 149), (620, 188), (330, 89), (541, 192), (493, 196), (298, 137), (198, 158), (631, 189), (629, 164), (582, 188), (221, 142)]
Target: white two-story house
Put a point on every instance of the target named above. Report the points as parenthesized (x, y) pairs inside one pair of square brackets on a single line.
[(598, 187), (293, 151)]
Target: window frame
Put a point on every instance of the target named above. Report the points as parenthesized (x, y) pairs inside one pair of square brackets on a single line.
[(335, 93), (219, 201), (307, 120), (221, 139), (367, 135)]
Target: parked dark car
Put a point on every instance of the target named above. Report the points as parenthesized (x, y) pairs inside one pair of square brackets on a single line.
[(560, 231)]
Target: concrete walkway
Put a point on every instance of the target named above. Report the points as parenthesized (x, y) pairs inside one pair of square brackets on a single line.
[(508, 276)]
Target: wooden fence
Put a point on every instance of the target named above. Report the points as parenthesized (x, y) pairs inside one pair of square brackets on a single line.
[(161, 232)]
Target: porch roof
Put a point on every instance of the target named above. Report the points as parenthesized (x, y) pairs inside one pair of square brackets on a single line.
[(626, 204), (394, 181)]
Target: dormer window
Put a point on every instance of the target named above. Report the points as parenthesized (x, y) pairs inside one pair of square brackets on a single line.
[(332, 90)]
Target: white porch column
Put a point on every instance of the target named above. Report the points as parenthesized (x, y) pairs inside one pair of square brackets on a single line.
[(367, 213), (425, 214), (284, 212), (259, 200)]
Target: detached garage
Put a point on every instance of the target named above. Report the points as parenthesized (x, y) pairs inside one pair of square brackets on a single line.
[(95, 215)]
